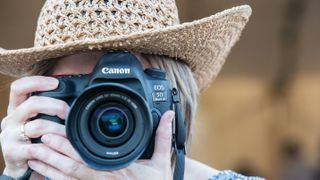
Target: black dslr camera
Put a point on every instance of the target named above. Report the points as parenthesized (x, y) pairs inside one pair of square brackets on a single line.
[(115, 110)]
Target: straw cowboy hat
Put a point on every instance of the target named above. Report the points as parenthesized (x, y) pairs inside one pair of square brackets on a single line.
[(147, 26)]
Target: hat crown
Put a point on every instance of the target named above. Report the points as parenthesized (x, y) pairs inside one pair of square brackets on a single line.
[(63, 21)]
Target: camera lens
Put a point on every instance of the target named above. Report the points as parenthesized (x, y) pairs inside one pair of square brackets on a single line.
[(110, 126), (112, 122)]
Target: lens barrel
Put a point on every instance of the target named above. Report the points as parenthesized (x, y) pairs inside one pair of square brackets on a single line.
[(110, 126)]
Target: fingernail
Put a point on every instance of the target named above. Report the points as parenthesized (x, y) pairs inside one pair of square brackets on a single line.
[(53, 81), (45, 139), (32, 163)]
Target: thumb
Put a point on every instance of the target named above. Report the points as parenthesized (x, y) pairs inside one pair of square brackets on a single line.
[(163, 140)]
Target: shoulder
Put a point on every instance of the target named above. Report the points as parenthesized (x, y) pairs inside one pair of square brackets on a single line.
[(197, 170)]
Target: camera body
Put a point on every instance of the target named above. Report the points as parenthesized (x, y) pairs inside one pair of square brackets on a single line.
[(115, 110)]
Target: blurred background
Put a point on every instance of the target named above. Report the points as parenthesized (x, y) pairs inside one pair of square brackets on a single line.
[(261, 116)]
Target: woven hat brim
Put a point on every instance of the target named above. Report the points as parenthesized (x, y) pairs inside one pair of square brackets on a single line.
[(203, 44)]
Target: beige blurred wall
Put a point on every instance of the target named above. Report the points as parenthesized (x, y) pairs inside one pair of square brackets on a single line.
[(240, 123)]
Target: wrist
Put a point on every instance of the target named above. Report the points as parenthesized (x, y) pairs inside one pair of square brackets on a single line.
[(16, 173)]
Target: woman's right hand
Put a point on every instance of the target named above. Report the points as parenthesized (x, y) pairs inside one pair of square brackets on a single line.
[(21, 108)]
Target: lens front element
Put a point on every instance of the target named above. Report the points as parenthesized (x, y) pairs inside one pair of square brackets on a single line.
[(112, 122)]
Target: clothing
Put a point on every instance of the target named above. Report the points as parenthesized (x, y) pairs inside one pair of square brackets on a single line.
[(223, 175), (231, 175)]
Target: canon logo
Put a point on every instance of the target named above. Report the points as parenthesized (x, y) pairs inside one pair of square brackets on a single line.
[(107, 70)]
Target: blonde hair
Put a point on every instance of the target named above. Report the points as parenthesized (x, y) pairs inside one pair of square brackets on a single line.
[(178, 74)]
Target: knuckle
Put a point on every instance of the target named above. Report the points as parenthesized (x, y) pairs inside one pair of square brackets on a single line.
[(37, 153), (30, 152), (55, 141), (3, 136), (164, 135), (15, 87), (3, 123), (28, 104), (34, 100), (31, 105), (74, 167), (38, 126), (58, 128), (34, 128), (60, 143)]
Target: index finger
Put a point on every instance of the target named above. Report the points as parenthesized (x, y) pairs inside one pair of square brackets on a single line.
[(21, 88)]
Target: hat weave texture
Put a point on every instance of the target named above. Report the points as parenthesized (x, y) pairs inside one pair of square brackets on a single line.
[(67, 27), (83, 20)]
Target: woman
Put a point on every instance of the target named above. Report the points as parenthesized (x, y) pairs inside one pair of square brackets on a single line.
[(71, 37)]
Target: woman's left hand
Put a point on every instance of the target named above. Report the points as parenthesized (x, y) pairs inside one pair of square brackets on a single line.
[(57, 159)]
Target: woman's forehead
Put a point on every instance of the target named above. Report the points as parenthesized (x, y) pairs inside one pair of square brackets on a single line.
[(92, 55)]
